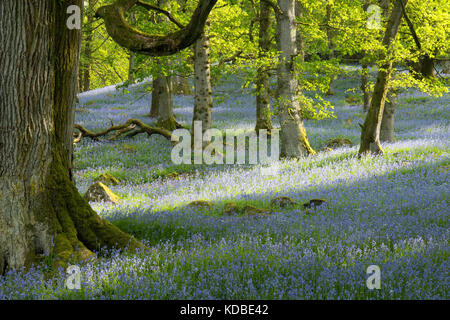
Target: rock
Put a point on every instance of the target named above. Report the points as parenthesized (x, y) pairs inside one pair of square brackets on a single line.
[(100, 192), (231, 209), (128, 148), (282, 202), (200, 204), (338, 142), (108, 179), (253, 211), (314, 203)]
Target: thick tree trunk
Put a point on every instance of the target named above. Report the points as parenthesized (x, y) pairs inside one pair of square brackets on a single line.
[(370, 135), (39, 205), (203, 101), (294, 142), (263, 119), (387, 122)]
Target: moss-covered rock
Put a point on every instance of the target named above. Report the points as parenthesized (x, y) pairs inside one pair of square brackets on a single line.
[(338, 142), (314, 203), (200, 204), (100, 192), (282, 202), (108, 179), (253, 211), (231, 209)]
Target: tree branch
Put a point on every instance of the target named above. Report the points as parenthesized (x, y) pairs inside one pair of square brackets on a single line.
[(150, 44), (121, 129), (152, 7)]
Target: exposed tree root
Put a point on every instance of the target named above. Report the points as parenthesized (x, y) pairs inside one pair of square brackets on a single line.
[(131, 128)]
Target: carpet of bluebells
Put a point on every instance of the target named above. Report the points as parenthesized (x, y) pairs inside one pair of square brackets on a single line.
[(391, 210)]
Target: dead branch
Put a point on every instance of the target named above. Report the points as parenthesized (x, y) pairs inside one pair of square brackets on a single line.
[(128, 126)]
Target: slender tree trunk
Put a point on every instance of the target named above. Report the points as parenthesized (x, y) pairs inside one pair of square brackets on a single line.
[(38, 201), (330, 46), (294, 142), (263, 119), (365, 84), (370, 135), (387, 122), (203, 101)]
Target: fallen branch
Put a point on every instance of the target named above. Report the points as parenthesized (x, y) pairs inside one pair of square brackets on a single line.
[(128, 126)]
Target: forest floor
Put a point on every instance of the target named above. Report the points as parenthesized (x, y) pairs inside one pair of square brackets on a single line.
[(390, 210)]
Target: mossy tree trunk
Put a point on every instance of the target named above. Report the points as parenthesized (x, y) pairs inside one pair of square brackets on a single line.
[(370, 135), (294, 142), (203, 100), (38, 201), (263, 118), (132, 57)]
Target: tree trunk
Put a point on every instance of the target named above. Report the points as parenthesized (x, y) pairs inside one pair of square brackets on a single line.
[(365, 85), (300, 41), (294, 142), (132, 58), (370, 135), (203, 101), (330, 90), (87, 52), (166, 119), (156, 83), (40, 208), (263, 119), (387, 122), (164, 86)]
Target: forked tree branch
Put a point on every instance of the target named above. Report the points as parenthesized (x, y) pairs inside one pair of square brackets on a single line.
[(150, 44)]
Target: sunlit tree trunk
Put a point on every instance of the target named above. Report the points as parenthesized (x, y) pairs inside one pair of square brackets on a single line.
[(263, 118), (203, 101), (38, 201), (387, 122), (370, 135), (294, 142), (330, 90), (365, 84)]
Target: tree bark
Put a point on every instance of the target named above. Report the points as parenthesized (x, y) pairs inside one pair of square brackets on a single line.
[(263, 119), (294, 142), (387, 122), (203, 100), (40, 208), (370, 135)]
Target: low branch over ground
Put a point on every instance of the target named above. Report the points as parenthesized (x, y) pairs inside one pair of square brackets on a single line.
[(131, 127)]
